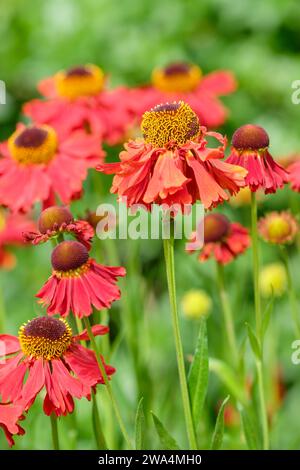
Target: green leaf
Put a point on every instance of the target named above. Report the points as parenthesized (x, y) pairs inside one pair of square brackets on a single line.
[(167, 442), (217, 437), (139, 426), (249, 429), (229, 378), (266, 317), (253, 341), (198, 374)]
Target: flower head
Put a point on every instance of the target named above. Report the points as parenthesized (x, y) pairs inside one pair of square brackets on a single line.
[(57, 220), (183, 81), (223, 240), (273, 280), (9, 417), (249, 149), (43, 162), (77, 98), (196, 304), (173, 164), (46, 356), (78, 283), (278, 227), (294, 175)]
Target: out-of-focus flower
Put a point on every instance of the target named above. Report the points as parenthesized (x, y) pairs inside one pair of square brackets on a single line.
[(242, 198), (46, 356), (249, 149), (223, 240), (278, 227), (12, 227), (78, 283), (57, 220), (294, 174), (273, 280), (173, 164), (196, 304), (9, 417), (78, 99), (182, 81), (39, 163), (107, 221)]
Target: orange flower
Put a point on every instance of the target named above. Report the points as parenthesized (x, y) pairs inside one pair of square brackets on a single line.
[(173, 163), (278, 227)]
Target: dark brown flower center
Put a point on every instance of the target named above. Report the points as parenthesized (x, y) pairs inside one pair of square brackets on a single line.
[(31, 137), (177, 68), (250, 137), (45, 327), (216, 226), (53, 217), (79, 71), (69, 255)]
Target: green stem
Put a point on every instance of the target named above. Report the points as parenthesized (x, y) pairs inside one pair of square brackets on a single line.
[(99, 437), (255, 255), (258, 317), (227, 313), (106, 381), (262, 401), (54, 431), (291, 292), (170, 269)]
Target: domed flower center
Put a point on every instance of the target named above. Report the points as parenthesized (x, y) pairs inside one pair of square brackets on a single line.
[(250, 137), (45, 337), (33, 145), (70, 259), (278, 228), (177, 78), (216, 226), (170, 125), (53, 217), (80, 81)]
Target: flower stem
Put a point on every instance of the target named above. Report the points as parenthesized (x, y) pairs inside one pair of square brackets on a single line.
[(170, 269), (55, 439), (106, 381), (100, 439), (291, 292), (258, 317), (227, 313)]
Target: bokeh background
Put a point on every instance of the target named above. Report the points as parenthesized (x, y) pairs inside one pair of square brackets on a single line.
[(258, 41)]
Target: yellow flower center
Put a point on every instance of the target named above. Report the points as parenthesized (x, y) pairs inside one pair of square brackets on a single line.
[(278, 228), (78, 272), (33, 145), (79, 81), (2, 220), (45, 337), (170, 125), (177, 78)]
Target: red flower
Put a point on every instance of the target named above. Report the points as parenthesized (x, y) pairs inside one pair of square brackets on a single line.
[(78, 282), (9, 417), (181, 81), (294, 175), (250, 149), (12, 227), (57, 220), (223, 240), (38, 163), (77, 99), (173, 163), (47, 356)]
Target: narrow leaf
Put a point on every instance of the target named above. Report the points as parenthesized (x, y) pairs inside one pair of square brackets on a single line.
[(198, 374), (139, 426), (167, 442), (253, 341), (266, 317), (217, 438), (249, 429), (229, 378)]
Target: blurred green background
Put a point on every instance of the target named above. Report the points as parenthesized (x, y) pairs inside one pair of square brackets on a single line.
[(259, 41)]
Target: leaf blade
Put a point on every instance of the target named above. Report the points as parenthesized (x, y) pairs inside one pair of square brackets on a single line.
[(217, 437), (166, 440)]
